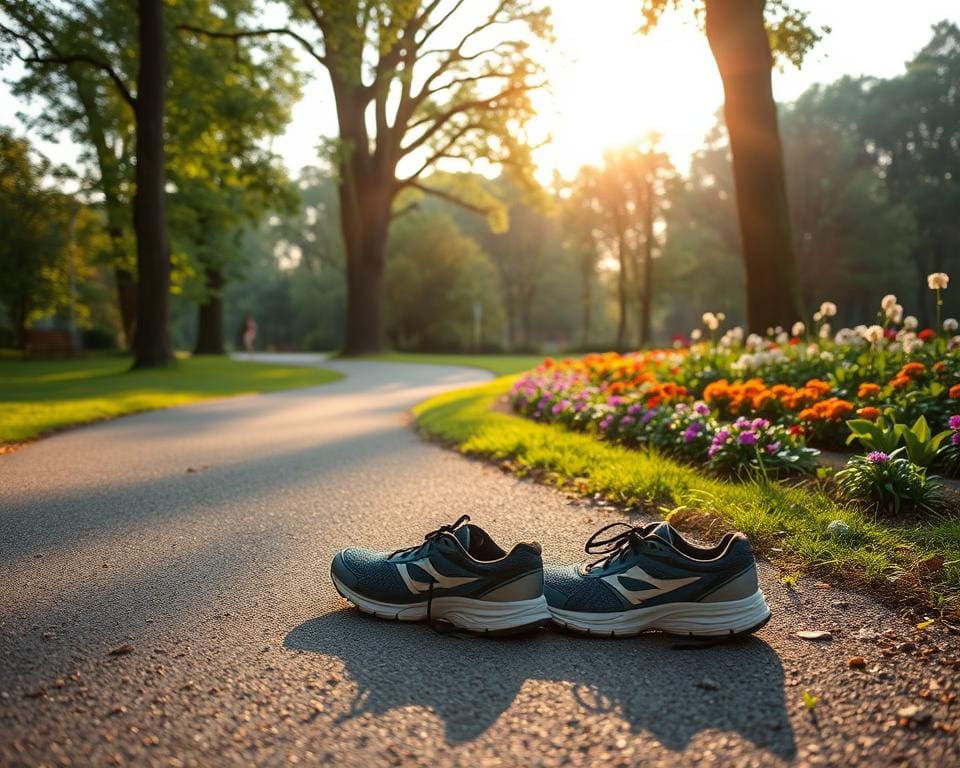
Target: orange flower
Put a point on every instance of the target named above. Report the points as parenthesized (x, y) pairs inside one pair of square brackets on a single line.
[(955, 392), (869, 413), (868, 390), (940, 367), (900, 381), (912, 369), (831, 409)]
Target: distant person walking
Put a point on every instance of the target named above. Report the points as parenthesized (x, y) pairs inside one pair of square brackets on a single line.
[(249, 333)]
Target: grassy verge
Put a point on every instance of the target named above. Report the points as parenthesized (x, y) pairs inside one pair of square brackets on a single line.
[(788, 525), (499, 365), (37, 397)]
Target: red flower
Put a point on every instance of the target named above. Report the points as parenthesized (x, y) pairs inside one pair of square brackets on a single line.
[(794, 341), (927, 333)]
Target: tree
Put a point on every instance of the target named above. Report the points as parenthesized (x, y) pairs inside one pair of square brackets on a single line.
[(227, 97), (47, 33), (854, 243), (416, 83), (912, 124), (435, 277), (743, 36), (32, 240)]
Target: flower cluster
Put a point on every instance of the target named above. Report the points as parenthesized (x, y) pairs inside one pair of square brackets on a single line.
[(731, 400)]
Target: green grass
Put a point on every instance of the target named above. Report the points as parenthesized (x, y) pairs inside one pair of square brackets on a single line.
[(41, 396), (786, 524), (499, 365)]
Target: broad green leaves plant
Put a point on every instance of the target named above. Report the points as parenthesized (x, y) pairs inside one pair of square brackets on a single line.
[(922, 446), (879, 435)]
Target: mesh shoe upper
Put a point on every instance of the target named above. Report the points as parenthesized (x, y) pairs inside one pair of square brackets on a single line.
[(650, 567), (448, 562)]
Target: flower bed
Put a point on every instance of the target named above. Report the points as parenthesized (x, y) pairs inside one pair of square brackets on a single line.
[(767, 403)]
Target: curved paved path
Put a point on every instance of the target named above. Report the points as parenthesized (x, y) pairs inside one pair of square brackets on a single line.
[(195, 543)]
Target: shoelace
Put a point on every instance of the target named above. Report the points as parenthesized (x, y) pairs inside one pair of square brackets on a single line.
[(616, 544), (440, 626), (434, 535)]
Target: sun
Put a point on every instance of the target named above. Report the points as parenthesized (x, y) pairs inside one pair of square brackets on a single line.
[(610, 86)]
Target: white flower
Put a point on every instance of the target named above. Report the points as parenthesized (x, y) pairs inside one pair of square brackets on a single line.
[(721, 317), (817, 316), (696, 334), (954, 342), (910, 323), (950, 325), (828, 309), (754, 342), (911, 345), (825, 331), (895, 313), (798, 329), (782, 337), (873, 334), (826, 356), (938, 280), (711, 321), (887, 301), (770, 331)]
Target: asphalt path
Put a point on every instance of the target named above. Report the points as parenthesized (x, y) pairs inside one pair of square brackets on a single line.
[(165, 600)]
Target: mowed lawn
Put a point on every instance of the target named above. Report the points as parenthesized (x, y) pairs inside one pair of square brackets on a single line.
[(42, 396), (499, 365)]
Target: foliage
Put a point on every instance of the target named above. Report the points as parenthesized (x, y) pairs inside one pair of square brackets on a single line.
[(39, 397), (436, 278), (891, 481), (788, 27)]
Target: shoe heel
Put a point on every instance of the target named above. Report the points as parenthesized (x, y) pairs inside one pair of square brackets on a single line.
[(722, 619)]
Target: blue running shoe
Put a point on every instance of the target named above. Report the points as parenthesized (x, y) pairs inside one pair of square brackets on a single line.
[(650, 577), (458, 575)]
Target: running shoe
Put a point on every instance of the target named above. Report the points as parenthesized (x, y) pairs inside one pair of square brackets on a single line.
[(650, 577), (458, 575)]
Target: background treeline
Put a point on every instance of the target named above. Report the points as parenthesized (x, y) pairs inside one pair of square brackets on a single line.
[(629, 252)]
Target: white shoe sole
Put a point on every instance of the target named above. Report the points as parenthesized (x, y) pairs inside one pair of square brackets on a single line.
[(463, 612), (734, 617)]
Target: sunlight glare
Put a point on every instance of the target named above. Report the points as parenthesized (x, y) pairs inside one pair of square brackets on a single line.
[(610, 86)]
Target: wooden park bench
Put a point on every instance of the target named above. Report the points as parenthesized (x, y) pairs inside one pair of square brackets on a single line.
[(44, 343)]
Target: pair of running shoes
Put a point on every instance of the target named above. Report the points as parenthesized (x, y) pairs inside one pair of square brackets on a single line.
[(641, 578)]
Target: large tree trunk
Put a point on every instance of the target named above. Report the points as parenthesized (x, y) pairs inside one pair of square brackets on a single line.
[(741, 48), (152, 342), (210, 335)]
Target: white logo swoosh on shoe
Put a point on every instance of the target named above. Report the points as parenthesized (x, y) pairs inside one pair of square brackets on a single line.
[(440, 580), (659, 586)]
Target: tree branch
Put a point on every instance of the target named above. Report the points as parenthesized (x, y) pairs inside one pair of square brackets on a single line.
[(243, 33), (55, 57), (449, 197)]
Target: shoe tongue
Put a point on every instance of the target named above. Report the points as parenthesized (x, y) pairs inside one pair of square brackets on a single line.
[(663, 531), (462, 534)]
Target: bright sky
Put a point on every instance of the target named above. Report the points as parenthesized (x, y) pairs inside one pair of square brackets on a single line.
[(610, 86)]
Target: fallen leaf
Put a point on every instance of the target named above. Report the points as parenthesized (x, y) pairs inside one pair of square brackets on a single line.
[(810, 701), (818, 634), (857, 662), (926, 624)]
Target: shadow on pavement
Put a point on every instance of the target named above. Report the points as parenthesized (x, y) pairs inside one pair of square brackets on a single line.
[(469, 682)]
